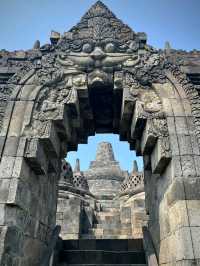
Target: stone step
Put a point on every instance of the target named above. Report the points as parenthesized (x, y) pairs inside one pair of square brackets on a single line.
[(110, 231), (112, 224), (102, 237), (108, 213), (104, 264), (109, 203), (107, 217), (102, 231), (110, 209), (108, 220), (102, 257), (105, 225), (126, 225), (125, 220), (88, 237), (126, 231), (104, 244)]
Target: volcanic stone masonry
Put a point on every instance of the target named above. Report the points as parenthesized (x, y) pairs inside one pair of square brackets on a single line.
[(99, 77)]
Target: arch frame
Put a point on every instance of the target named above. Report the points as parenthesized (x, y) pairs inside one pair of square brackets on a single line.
[(51, 107)]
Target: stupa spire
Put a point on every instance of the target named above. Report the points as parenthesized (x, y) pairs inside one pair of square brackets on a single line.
[(77, 167), (135, 166), (168, 46), (105, 152)]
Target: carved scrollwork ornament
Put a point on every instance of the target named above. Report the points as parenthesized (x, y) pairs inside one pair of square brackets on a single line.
[(54, 94), (48, 76), (145, 95), (5, 93), (158, 127), (191, 93), (48, 73), (48, 60), (149, 69), (99, 45), (17, 77)]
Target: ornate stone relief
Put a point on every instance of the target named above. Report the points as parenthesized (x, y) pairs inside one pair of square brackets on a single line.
[(49, 105), (149, 69), (145, 95), (5, 93), (23, 70), (22, 62), (148, 109), (191, 93), (99, 44), (159, 129), (100, 50)]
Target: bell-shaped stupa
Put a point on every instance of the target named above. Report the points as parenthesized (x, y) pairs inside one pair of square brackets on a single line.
[(79, 179), (104, 174), (134, 181)]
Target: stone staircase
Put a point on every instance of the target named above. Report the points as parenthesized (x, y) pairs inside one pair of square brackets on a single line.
[(102, 252), (108, 224)]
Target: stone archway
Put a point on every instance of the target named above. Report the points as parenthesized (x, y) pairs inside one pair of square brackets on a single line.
[(99, 77)]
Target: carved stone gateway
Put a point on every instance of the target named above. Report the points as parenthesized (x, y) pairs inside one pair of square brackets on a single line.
[(99, 77)]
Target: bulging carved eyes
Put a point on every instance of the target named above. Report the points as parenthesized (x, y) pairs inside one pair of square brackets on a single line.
[(87, 48), (134, 46), (110, 48)]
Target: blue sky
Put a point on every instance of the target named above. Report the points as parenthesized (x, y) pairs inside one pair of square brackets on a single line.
[(22, 22)]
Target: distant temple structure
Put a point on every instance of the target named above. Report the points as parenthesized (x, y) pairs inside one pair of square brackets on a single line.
[(104, 174), (103, 202)]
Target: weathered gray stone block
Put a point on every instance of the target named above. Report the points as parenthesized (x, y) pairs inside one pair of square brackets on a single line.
[(178, 215), (175, 192), (149, 138), (195, 232), (160, 156), (2, 214), (191, 186), (17, 120), (4, 189), (36, 156), (182, 245), (6, 166), (181, 107), (193, 210)]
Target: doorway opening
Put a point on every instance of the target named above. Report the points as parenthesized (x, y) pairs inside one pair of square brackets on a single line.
[(101, 191)]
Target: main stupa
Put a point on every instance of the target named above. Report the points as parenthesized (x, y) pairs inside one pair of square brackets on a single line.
[(104, 175)]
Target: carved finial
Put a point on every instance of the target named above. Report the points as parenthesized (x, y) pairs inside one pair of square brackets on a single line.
[(55, 37), (99, 9), (36, 45), (99, 3), (77, 166), (135, 166), (168, 46)]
